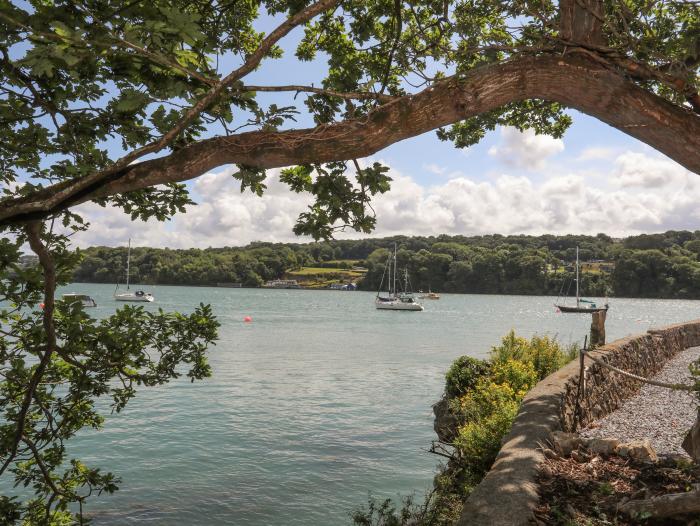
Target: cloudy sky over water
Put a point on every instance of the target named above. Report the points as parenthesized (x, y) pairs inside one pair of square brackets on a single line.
[(593, 180)]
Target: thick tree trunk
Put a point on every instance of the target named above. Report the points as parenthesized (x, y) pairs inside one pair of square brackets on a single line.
[(574, 81), (580, 21)]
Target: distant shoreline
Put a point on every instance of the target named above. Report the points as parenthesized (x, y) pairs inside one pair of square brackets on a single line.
[(144, 285)]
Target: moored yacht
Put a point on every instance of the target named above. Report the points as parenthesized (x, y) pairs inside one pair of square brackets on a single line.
[(128, 295), (582, 305), (395, 300)]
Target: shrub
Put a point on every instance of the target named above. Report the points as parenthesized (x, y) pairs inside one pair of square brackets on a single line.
[(488, 395), (512, 348), (385, 513), (464, 374), (547, 355), (544, 353), (519, 376), (483, 400), (478, 442)]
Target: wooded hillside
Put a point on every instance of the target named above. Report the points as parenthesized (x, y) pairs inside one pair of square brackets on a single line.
[(657, 265)]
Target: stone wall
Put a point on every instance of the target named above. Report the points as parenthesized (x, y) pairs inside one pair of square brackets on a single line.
[(508, 493)]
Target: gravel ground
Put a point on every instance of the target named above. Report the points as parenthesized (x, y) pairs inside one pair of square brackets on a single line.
[(661, 415)]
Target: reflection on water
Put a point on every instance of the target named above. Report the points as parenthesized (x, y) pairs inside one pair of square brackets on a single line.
[(318, 401)]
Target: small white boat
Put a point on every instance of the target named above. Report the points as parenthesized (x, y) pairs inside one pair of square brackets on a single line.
[(430, 295), (137, 295), (395, 300), (84, 299)]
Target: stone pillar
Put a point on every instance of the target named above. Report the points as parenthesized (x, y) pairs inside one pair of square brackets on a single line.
[(598, 328)]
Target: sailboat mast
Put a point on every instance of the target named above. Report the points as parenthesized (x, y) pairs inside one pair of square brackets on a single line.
[(128, 260), (577, 291), (394, 278)]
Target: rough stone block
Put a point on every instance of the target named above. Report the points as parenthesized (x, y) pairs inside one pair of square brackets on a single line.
[(565, 443), (691, 444), (603, 446), (637, 449)]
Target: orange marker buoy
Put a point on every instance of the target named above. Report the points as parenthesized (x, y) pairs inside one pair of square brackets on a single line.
[(247, 319)]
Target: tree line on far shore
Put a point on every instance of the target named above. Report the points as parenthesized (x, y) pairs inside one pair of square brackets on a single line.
[(663, 265)]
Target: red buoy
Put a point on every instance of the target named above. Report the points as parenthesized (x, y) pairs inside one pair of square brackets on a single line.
[(247, 319), (41, 305)]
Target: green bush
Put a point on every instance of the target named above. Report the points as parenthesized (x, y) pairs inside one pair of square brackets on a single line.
[(544, 353), (485, 397), (479, 442), (512, 348), (463, 375), (385, 513), (519, 376)]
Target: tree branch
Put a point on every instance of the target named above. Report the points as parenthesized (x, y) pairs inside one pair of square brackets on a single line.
[(574, 81), (33, 231), (67, 193), (357, 95)]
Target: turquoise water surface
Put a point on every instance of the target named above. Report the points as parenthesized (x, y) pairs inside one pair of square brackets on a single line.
[(319, 401)]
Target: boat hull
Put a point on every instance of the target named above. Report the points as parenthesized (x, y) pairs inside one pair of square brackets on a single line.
[(133, 297), (398, 305), (565, 309)]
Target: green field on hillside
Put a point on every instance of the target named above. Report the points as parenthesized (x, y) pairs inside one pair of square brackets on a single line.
[(319, 271), (322, 278)]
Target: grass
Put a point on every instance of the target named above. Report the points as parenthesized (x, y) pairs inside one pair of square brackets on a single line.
[(318, 271), (322, 278), (348, 261)]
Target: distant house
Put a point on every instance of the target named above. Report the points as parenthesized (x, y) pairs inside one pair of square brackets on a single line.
[(28, 261), (282, 284), (597, 265), (343, 286)]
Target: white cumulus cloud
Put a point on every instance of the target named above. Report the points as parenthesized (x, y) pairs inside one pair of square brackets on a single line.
[(641, 170), (597, 153), (645, 193), (525, 149)]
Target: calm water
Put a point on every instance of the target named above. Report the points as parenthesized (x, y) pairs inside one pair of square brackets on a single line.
[(317, 402)]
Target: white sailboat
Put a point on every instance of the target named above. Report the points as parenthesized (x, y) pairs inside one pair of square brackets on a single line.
[(137, 295), (395, 300), (582, 305)]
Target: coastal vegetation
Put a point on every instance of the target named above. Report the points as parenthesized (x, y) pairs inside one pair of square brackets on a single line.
[(481, 400), (665, 265)]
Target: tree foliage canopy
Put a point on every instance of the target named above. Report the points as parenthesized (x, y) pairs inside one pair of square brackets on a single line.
[(89, 88), (121, 102)]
